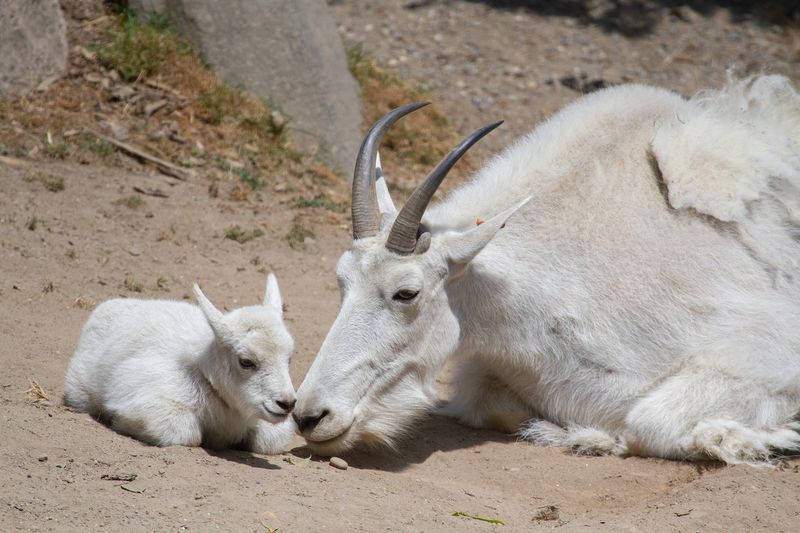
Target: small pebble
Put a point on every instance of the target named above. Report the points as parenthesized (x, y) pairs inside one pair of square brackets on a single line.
[(43, 458), (278, 120), (338, 462)]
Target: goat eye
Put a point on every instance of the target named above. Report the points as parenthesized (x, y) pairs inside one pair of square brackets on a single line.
[(246, 363), (405, 295)]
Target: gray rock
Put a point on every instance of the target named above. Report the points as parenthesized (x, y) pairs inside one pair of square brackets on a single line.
[(286, 51), (117, 130), (33, 44)]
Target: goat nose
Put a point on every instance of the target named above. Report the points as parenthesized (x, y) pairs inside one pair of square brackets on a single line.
[(308, 423), (286, 405)]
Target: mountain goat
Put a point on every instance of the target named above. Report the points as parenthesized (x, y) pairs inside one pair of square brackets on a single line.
[(171, 373), (645, 301)]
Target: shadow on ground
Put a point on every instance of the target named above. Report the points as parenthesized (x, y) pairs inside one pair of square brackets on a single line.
[(243, 458), (433, 434), (637, 18)]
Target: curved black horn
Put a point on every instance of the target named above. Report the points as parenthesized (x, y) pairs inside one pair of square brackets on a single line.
[(403, 236), (364, 204)]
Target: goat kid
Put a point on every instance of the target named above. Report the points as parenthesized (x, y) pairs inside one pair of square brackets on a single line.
[(172, 373)]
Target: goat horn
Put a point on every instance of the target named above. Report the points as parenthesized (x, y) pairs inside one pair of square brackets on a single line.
[(364, 204), (403, 236)]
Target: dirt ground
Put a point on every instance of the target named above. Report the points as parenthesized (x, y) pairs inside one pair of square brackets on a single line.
[(64, 249)]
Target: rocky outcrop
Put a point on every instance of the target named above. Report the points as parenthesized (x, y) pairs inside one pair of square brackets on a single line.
[(33, 44), (286, 51)]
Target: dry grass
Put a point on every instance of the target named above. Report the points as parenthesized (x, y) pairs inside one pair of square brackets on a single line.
[(131, 284), (143, 80), (418, 141), (546, 513), (85, 303), (36, 393), (140, 76)]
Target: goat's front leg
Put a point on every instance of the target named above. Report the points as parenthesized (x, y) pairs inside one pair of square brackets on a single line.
[(483, 400), (269, 438)]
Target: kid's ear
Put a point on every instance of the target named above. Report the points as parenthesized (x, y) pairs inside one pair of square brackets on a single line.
[(272, 295), (213, 315), (461, 248)]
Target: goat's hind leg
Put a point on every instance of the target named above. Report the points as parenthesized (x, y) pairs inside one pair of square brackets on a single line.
[(160, 428), (582, 440), (703, 413)]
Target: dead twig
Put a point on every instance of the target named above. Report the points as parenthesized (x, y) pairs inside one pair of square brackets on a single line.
[(164, 87), (119, 476), (11, 161), (158, 193), (99, 20), (163, 166)]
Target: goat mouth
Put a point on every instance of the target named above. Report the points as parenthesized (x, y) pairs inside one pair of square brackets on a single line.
[(332, 445)]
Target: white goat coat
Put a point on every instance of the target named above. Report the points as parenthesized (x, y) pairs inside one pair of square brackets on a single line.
[(152, 369), (651, 288)]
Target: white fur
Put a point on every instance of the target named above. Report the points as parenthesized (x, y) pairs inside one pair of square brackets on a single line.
[(645, 301), (169, 373)]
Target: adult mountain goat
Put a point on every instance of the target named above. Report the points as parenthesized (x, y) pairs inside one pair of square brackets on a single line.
[(645, 300)]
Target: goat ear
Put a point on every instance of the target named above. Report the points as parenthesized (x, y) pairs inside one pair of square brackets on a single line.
[(213, 315), (461, 248), (272, 295), (385, 203)]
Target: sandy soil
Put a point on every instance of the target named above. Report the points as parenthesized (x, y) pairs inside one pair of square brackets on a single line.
[(86, 246)]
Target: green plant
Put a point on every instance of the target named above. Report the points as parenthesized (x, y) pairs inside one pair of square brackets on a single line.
[(32, 223), (138, 49), (131, 202), (53, 183), (324, 201), (250, 179), (159, 21), (101, 148), (220, 101), (235, 233), (133, 285), (55, 148), (298, 234)]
